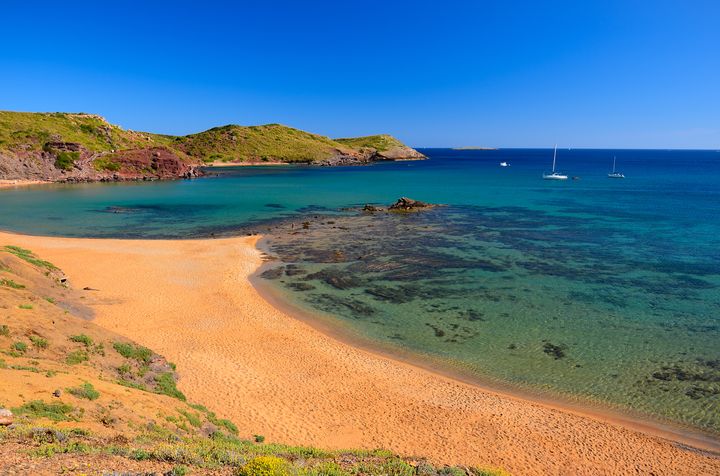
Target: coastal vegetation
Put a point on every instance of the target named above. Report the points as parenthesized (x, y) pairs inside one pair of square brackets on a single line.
[(85, 147), (64, 396)]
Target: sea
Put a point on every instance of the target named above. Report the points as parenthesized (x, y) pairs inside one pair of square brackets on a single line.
[(595, 290)]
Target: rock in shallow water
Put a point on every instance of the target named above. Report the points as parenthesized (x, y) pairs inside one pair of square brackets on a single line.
[(408, 204)]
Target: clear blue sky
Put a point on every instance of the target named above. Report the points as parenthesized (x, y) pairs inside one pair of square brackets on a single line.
[(433, 73)]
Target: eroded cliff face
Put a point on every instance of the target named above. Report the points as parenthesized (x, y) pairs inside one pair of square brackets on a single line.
[(369, 155), (72, 162)]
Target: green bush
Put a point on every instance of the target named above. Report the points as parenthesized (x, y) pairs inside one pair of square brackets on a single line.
[(40, 409), (66, 160), (82, 339), (11, 284), (20, 347), (391, 467), (4, 330), (86, 391), (265, 466), (165, 384), (107, 164), (135, 352), (39, 342), (25, 306), (77, 357), (192, 418)]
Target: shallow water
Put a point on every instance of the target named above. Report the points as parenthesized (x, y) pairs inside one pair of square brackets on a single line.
[(607, 290)]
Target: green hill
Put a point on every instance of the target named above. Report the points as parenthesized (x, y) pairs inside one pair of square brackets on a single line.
[(85, 147), (270, 142)]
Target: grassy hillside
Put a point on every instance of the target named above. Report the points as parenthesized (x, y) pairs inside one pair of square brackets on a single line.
[(271, 142), (23, 133), (31, 131), (380, 142), (87, 401)]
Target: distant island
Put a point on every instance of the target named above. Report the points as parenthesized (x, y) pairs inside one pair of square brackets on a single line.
[(472, 147), (78, 147)]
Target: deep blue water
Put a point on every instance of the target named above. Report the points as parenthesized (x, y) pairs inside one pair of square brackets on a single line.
[(599, 289)]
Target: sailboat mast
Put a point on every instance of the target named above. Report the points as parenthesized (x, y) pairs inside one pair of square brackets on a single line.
[(614, 164), (554, 155)]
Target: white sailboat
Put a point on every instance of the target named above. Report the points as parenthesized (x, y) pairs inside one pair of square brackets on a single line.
[(555, 175), (504, 164), (615, 174)]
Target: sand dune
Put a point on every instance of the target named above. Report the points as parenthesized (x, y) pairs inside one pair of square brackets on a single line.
[(277, 376)]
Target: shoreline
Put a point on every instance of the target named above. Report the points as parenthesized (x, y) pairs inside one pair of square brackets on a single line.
[(14, 183), (677, 433), (274, 374)]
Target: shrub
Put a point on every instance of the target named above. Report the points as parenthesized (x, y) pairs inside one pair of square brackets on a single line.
[(179, 470), (82, 339), (265, 466), (11, 284), (77, 357), (40, 409), (4, 330), (39, 342), (391, 467), (66, 160), (327, 469), (25, 306), (135, 352), (27, 255), (258, 438), (49, 450), (86, 391), (106, 163), (20, 347), (166, 385), (192, 418)]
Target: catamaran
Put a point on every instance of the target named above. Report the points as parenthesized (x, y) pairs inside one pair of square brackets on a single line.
[(555, 175), (615, 174)]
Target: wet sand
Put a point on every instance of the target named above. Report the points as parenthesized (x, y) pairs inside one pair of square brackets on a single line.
[(275, 375)]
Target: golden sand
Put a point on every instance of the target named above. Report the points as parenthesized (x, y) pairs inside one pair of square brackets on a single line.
[(5, 183), (275, 375)]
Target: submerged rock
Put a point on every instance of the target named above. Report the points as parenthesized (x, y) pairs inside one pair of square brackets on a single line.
[(272, 273), (556, 351)]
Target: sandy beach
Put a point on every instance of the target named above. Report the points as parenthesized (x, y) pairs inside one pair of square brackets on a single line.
[(10, 183), (274, 375)]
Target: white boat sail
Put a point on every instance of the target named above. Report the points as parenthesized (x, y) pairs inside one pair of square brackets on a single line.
[(555, 175), (615, 174)]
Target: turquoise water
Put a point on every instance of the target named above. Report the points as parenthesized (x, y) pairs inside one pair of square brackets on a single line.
[(599, 289)]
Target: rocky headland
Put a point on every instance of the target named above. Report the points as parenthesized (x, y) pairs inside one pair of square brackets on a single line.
[(65, 147)]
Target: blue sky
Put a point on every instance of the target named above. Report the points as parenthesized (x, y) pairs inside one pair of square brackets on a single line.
[(433, 73)]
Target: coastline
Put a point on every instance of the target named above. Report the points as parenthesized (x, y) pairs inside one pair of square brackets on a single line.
[(276, 375), (599, 411), (13, 183)]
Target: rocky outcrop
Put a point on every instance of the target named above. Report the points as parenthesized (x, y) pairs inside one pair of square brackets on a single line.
[(408, 204), (155, 162), (368, 155), (399, 153), (6, 417), (82, 165)]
